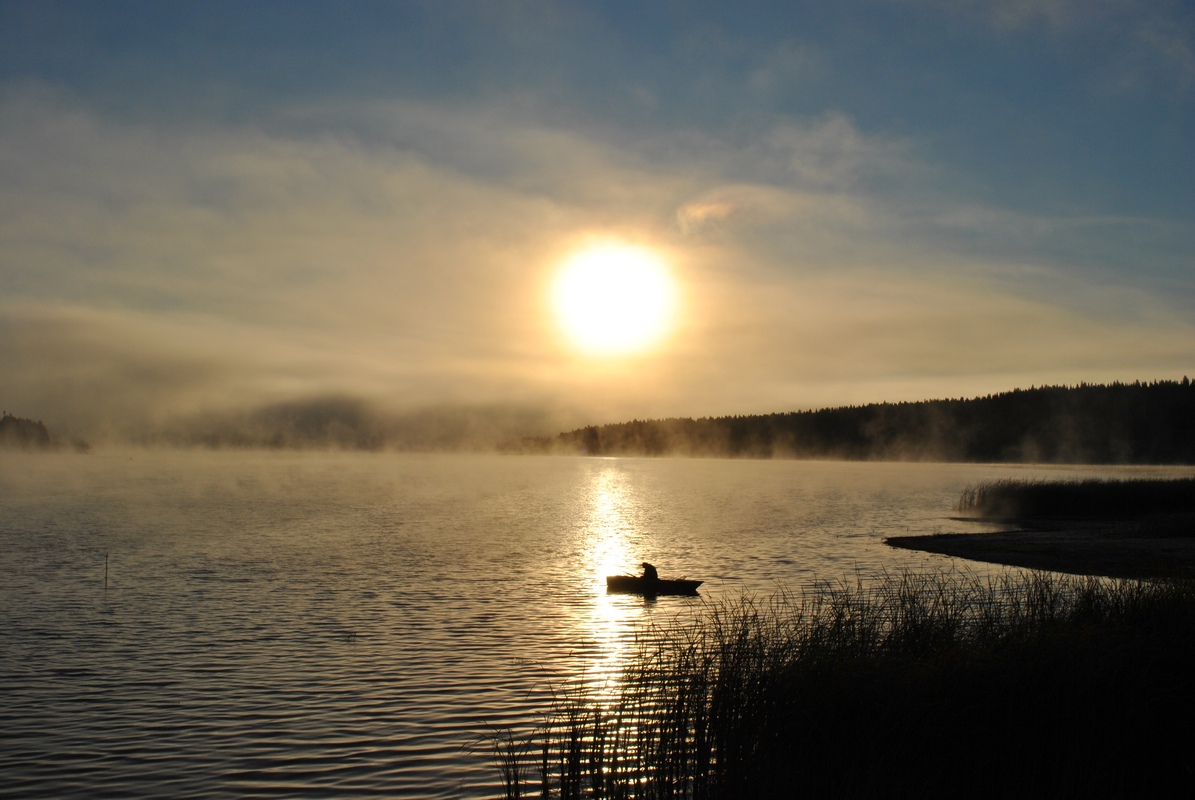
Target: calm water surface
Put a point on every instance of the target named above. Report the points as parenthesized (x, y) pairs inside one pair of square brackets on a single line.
[(335, 625)]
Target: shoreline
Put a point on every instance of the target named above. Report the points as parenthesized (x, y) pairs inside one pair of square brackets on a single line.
[(1132, 550)]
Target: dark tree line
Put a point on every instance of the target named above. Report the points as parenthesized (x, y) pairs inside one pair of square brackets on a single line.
[(23, 434), (1120, 423)]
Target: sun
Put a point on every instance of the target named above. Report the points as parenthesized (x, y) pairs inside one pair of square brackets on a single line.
[(614, 299)]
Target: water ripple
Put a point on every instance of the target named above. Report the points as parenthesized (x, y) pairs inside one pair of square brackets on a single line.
[(338, 626)]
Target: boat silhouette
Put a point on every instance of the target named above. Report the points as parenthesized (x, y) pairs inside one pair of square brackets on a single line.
[(637, 584)]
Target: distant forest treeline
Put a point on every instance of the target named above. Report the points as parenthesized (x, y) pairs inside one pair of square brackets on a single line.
[(22, 434), (1121, 423)]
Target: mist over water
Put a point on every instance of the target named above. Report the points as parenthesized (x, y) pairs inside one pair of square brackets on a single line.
[(346, 625)]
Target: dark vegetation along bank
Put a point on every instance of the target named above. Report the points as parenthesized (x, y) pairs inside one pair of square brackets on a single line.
[(1116, 528), (22, 434), (1079, 500), (944, 685), (17, 433), (1138, 423)]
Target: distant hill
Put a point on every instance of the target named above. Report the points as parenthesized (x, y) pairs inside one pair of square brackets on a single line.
[(22, 434), (1121, 423), (340, 422)]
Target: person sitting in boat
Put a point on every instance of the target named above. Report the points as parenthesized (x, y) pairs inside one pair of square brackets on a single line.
[(649, 572)]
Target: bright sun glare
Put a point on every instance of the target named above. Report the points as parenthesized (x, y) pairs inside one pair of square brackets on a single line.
[(614, 299)]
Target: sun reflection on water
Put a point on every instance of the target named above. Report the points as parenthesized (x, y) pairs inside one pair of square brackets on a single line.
[(613, 542)]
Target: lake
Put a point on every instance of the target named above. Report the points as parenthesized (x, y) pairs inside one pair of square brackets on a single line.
[(249, 624)]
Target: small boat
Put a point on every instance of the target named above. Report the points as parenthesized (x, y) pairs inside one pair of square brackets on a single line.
[(652, 587)]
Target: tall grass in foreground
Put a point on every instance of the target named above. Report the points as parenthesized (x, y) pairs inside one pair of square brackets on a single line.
[(1079, 500), (1025, 685)]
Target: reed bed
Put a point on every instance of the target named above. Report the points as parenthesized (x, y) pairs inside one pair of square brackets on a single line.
[(925, 685), (1012, 499)]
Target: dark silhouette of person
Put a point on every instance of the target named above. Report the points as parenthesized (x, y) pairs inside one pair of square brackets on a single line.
[(649, 572)]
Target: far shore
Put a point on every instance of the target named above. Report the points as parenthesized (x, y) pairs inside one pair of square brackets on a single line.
[(1138, 550)]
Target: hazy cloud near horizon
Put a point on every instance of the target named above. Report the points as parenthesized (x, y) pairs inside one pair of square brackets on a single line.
[(398, 248)]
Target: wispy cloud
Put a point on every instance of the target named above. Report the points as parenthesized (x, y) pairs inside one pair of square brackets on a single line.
[(400, 251), (1141, 45)]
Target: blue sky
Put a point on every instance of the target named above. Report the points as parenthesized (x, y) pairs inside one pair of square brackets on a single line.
[(216, 205)]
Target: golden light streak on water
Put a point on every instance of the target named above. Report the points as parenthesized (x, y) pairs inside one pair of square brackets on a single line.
[(609, 551)]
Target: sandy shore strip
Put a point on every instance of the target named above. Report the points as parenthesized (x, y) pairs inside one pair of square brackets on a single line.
[(1116, 551)]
